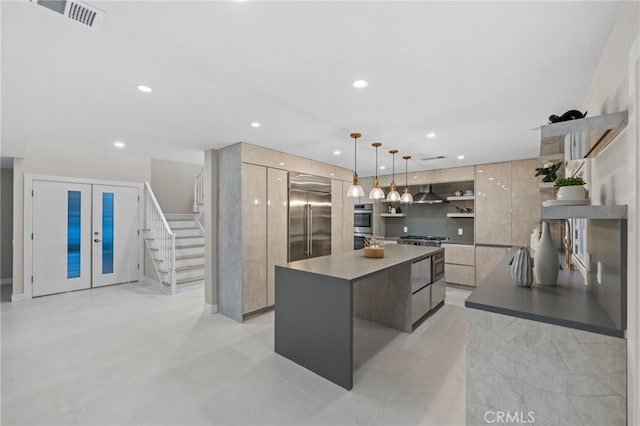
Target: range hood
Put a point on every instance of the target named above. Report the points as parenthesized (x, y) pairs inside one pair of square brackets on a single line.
[(427, 197)]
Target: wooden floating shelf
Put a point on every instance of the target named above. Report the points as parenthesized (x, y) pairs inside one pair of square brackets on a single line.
[(461, 215), (392, 214)]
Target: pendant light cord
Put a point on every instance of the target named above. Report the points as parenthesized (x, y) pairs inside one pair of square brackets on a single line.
[(406, 173), (393, 167), (355, 156), (376, 162)]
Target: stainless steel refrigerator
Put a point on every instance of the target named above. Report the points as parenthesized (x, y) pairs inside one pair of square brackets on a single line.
[(309, 216)]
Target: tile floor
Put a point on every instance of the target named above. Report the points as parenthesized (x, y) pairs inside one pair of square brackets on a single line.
[(126, 355)]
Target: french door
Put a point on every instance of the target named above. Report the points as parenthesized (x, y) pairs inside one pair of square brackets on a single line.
[(83, 235)]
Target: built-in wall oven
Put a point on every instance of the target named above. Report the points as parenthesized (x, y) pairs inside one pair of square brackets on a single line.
[(362, 224)]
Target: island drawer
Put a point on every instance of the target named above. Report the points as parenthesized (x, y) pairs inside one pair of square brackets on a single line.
[(420, 303)]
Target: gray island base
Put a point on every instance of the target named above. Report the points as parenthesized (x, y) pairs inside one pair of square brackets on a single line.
[(315, 305)]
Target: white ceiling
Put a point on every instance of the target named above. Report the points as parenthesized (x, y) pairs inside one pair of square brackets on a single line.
[(480, 74)]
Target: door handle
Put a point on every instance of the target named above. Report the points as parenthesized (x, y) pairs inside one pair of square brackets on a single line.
[(310, 230), (96, 240)]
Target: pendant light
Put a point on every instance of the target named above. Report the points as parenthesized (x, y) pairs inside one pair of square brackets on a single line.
[(376, 193), (355, 190), (406, 196), (393, 194)]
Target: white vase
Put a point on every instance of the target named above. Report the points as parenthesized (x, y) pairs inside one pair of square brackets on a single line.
[(573, 192), (545, 262)]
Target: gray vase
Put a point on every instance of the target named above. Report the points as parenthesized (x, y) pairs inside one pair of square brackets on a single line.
[(545, 262), (521, 270)]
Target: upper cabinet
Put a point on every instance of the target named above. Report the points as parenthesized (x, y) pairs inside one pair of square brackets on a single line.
[(587, 136), (493, 204), (507, 202)]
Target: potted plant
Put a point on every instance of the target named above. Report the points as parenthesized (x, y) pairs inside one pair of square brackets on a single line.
[(570, 188), (549, 171)]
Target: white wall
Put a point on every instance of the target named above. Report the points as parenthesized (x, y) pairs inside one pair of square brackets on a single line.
[(172, 184), (59, 160), (6, 220), (615, 172)]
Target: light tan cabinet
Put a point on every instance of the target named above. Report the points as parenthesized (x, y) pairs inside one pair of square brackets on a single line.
[(277, 216), (254, 237), (459, 264), (507, 202), (487, 258), (525, 201), (493, 203)]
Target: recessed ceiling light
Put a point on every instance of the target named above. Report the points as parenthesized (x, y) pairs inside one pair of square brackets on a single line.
[(118, 144), (255, 124), (480, 171), (432, 135), (460, 157), (336, 152), (282, 164), (360, 84), (490, 178), (382, 167), (331, 174), (144, 89)]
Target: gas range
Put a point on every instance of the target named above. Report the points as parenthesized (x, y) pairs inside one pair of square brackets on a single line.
[(421, 240)]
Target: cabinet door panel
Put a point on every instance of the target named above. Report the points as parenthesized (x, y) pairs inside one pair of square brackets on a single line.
[(254, 237), (276, 226), (459, 254), (460, 274), (493, 204), (487, 258), (525, 201)]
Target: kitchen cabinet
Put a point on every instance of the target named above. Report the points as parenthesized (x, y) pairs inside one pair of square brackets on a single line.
[(487, 258), (277, 210), (525, 201), (507, 202), (493, 203), (253, 220), (254, 237), (459, 264)]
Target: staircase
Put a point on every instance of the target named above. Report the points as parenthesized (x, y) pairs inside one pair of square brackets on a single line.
[(176, 245), (189, 250)]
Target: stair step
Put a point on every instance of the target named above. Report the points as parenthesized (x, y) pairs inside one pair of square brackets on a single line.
[(188, 246), (183, 227), (189, 280), (182, 237), (178, 216), (189, 267), (189, 256)]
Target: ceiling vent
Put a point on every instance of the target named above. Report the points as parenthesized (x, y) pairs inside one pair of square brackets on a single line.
[(75, 10), (437, 157)]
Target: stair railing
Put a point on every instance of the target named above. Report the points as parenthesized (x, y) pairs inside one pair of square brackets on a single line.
[(164, 240), (198, 191)]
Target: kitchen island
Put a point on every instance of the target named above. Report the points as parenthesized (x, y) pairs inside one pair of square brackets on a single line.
[(316, 300)]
